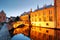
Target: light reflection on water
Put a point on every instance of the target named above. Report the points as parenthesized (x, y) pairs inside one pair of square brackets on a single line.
[(20, 37)]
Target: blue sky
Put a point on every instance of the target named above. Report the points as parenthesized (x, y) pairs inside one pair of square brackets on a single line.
[(17, 7)]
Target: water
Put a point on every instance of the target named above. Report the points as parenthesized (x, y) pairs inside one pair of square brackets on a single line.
[(4, 33), (20, 37)]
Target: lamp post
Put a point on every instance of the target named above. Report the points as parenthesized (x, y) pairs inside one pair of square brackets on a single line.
[(30, 23)]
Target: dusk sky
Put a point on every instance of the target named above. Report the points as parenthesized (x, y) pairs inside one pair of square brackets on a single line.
[(17, 7)]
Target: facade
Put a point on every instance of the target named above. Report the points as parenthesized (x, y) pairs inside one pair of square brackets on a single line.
[(43, 22), (46, 22), (24, 17), (2, 16), (43, 17)]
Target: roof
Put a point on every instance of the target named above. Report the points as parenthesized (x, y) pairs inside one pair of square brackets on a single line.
[(2, 12), (25, 13), (46, 6)]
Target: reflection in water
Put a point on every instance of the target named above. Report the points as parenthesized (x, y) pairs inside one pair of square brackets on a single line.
[(4, 33), (39, 33), (20, 37)]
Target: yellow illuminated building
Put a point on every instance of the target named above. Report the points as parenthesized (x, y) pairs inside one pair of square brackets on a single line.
[(24, 17), (24, 20), (43, 17), (48, 16), (46, 22), (43, 22)]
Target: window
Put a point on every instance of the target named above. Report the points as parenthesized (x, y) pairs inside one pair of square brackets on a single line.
[(47, 31), (44, 36), (44, 13), (40, 28), (0, 17), (35, 15), (50, 12), (50, 37), (47, 24), (39, 19), (58, 24), (50, 18), (39, 14), (32, 19), (35, 20), (44, 18), (32, 16)]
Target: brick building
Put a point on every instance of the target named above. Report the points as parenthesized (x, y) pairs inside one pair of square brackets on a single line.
[(2, 16)]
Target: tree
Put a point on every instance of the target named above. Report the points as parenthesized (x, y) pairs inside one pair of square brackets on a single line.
[(17, 19)]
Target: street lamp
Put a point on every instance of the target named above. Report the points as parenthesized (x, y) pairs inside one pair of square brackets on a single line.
[(29, 24)]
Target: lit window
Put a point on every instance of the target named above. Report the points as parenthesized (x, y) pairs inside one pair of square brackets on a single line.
[(32, 19), (32, 15), (43, 14), (39, 19), (35, 15), (39, 14), (44, 18), (50, 12), (35, 20)]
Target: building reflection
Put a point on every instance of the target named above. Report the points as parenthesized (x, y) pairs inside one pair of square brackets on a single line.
[(38, 33)]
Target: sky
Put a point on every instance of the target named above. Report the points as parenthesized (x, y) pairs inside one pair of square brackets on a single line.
[(17, 7)]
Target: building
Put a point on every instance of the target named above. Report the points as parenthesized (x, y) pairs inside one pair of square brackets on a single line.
[(43, 17), (57, 12), (25, 16), (24, 19), (46, 22), (43, 21), (2, 16)]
